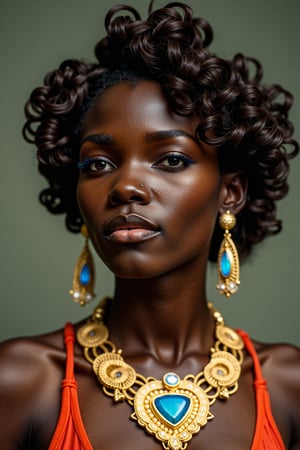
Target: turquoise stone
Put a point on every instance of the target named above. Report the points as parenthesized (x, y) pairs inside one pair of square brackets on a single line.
[(225, 264), (85, 275), (172, 407)]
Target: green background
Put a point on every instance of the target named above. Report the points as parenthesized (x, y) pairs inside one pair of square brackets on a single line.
[(38, 254)]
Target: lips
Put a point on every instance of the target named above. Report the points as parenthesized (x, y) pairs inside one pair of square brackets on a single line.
[(130, 228)]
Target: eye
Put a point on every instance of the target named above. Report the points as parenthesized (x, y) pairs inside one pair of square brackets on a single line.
[(99, 164), (174, 161)]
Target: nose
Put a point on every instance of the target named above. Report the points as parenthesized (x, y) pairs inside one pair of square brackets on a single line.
[(129, 189)]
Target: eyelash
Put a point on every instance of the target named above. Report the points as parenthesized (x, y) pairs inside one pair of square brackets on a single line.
[(86, 164), (177, 156)]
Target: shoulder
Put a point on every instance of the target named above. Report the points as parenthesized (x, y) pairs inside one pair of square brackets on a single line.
[(281, 368), (27, 358), (31, 370), (280, 363)]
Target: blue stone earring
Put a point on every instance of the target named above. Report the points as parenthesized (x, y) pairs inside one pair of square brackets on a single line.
[(82, 290), (228, 258)]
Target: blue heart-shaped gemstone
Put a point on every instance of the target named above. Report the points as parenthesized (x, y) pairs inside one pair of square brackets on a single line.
[(172, 407)]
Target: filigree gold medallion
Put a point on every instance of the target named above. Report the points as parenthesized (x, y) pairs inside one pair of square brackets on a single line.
[(172, 409)]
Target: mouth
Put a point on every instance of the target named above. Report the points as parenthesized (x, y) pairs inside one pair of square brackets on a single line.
[(130, 228)]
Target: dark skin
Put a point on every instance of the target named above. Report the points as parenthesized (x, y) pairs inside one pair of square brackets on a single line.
[(146, 161)]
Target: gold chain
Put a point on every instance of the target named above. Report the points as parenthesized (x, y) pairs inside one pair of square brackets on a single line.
[(171, 409)]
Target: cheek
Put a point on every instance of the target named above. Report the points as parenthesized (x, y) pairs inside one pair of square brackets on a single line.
[(195, 199), (192, 214), (89, 201)]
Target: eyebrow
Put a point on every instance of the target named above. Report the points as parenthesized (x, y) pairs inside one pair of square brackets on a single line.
[(107, 139), (103, 139), (167, 134)]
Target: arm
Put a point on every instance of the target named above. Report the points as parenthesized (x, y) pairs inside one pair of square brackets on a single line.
[(281, 369), (292, 389), (29, 394)]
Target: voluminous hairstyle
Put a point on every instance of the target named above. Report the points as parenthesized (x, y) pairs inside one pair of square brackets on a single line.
[(245, 119)]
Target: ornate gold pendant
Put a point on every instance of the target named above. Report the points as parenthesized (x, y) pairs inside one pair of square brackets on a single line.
[(171, 409)]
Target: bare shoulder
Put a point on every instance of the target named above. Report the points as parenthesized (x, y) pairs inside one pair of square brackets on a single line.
[(31, 370), (21, 357), (281, 369), (280, 364)]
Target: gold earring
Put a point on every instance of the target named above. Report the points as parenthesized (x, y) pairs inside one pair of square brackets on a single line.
[(228, 258), (82, 290)]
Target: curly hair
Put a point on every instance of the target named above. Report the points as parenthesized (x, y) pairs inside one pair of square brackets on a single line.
[(245, 119)]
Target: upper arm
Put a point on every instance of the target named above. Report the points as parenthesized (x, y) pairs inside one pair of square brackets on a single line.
[(26, 395), (292, 389), (282, 372)]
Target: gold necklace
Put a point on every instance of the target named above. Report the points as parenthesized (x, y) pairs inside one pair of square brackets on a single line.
[(171, 409)]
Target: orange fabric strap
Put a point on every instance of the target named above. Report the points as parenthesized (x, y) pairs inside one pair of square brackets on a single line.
[(70, 433), (266, 435)]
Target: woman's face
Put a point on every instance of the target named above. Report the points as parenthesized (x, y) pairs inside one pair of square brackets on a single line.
[(148, 192)]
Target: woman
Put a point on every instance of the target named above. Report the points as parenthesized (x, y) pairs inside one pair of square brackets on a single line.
[(156, 149)]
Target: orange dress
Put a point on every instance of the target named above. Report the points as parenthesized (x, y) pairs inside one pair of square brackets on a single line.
[(70, 433)]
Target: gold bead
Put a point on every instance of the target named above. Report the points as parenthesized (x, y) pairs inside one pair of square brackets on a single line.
[(227, 220)]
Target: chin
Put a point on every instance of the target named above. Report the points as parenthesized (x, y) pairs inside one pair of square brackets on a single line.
[(130, 274)]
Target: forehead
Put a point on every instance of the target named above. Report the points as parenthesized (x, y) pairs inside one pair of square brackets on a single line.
[(141, 104)]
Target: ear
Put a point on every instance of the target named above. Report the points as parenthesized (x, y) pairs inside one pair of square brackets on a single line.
[(233, 192)]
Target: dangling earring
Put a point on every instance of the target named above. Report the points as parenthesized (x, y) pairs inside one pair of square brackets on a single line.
[(228, 258), (82, 290)]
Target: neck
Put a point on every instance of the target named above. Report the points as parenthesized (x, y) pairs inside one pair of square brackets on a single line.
[(166, 317)]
